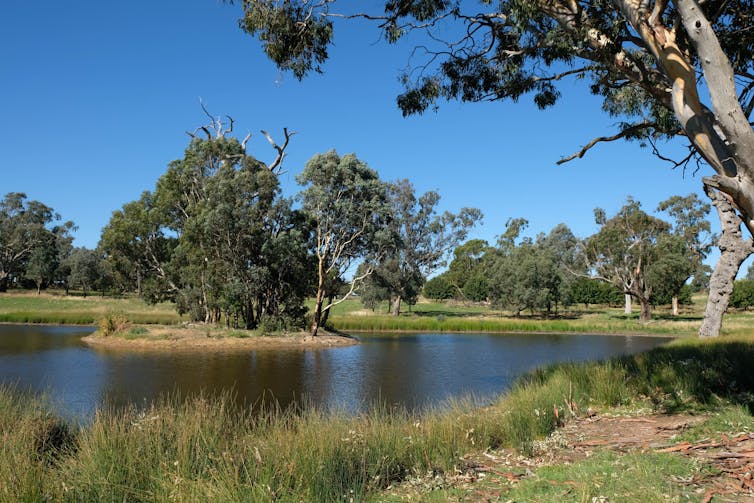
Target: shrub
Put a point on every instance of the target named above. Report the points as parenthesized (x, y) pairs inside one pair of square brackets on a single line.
[(112, 324)]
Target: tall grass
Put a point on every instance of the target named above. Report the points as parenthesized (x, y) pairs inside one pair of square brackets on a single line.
[(207, 449)]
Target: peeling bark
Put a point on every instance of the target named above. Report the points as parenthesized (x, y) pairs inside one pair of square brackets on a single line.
[(627, 306), (733, 251)]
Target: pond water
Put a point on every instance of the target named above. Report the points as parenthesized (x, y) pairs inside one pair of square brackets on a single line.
[(412, 371)]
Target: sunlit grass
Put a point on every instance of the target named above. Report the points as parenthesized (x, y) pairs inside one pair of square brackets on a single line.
[(425, 316), (61, 309)]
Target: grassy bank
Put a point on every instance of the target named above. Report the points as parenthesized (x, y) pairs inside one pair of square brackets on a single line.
[(351, 315), (207, 450)]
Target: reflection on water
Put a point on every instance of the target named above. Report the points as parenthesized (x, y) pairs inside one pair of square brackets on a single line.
[(411, 371)]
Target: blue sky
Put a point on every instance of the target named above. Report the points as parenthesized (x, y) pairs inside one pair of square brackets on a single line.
[(98, 97)]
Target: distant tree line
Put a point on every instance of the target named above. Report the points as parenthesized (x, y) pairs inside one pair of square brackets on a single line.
[(633, 255), (36, 250)]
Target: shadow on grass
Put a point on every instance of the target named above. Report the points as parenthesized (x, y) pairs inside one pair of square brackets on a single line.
[(660, 317), (680, 376), (457, 314)]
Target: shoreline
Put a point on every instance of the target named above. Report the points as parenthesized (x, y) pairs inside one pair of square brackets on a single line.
[(166, 338), (182, 337)]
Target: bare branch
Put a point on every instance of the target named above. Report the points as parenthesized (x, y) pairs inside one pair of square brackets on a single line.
[(275, 165), (626, 132), (245, 141)]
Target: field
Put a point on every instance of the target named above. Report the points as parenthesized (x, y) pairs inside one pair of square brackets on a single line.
[(351, 315), (57, 308)]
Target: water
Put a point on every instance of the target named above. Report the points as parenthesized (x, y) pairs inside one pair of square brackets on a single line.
[(412, 371)]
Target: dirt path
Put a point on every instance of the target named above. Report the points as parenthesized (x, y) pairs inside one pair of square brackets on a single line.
[(729, 459)]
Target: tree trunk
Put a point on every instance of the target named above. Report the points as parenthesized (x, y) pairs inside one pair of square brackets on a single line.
[(627, 309), (139, 293), (646, 314), (396, 305), (326, 312), (317, 315), (733, 251), (674, 303)]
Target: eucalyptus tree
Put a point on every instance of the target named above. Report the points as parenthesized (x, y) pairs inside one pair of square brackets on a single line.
[(347, 204), (523, 273), (137, 249), (48, 256), (672, 269), (85, 269), (690, 225), (29, 232), (215, 236), (439, 288), (653, 62), (626, 249), (466, 264), (421, 240)]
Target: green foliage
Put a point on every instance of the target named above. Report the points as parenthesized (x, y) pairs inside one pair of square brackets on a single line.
[(347, 203), (215, 237), (32, 243), (684, 295), (476, 289), (528, 275), (467, 261), (637, 254), (292, 38), (85, 270), (742, 296), (593, 291), (438, 288), (420, 239)]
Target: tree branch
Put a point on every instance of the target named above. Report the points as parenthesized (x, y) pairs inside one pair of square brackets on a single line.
[(602, 139)]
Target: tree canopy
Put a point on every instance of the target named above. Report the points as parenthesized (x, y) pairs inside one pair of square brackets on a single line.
[(648, 60), (420, 239), (664, 69), (347, 204), (33, 240)]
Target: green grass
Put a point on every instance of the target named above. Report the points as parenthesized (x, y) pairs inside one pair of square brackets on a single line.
[(351, 315), (207, 449), (452, 317), (616, 478), (61, 309)]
